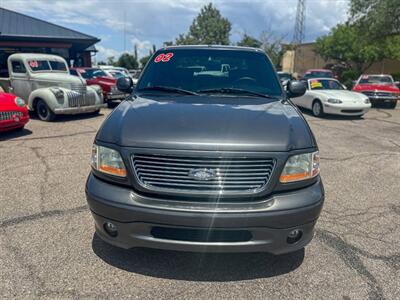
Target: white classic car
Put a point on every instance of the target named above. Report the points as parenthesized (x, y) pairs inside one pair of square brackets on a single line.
[(329, 96)]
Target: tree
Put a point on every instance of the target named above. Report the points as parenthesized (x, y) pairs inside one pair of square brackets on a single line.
[(249, 41), (209, 27), (145, 59), (272, 45), (128, 61), (381, 18), (111, 61), (346, 44)]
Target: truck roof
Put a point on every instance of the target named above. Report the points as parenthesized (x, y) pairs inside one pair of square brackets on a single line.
[(39, 56), (214, 47)]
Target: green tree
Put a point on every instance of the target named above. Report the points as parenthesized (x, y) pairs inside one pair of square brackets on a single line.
[(209, 27), (380, 18), (145, 59), (272, 45), (346, 44), (249, 41), (128, 61)]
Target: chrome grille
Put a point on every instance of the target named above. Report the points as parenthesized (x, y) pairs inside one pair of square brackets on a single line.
[(77, 99), (79, 88), (8, 115), (238, 175), (379, 94)]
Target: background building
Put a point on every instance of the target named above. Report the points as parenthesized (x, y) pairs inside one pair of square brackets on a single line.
[(21, 33), (304, 58)]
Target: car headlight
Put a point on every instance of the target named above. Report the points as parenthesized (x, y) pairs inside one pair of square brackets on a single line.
[(366, 101), (19, 102), (334, 101), (107, 161), (300, 167), (59, 94), (114, 89)]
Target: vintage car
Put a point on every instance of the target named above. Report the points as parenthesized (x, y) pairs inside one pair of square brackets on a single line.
[(13, 112), (99, 77), (43, 80), (318, 73), (380, 89), (329, 96)]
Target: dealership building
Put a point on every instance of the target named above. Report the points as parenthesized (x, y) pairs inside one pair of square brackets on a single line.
[(22, 33)]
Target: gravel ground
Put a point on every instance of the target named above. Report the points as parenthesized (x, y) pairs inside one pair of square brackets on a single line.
[(48, 248)]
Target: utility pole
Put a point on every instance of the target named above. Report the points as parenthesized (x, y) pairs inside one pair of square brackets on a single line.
[(299, 32)]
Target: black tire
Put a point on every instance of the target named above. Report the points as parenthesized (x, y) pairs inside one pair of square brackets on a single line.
[(110, 104), (95, 113), (317, 109), (44, 112), (392, 105)]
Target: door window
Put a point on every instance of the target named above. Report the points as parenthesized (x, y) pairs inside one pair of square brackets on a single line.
[(18, 67)]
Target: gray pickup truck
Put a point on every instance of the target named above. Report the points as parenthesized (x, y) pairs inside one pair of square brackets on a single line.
[(44, 82), (207, 154)]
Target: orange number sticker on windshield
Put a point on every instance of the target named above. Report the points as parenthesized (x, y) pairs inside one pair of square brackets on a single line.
[(163, 57)]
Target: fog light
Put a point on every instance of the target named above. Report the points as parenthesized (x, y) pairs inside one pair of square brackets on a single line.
[(294, 236), (111, 229)]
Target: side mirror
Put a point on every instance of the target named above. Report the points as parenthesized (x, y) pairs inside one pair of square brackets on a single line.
[(125, 85), (397, 82), (295, 88)]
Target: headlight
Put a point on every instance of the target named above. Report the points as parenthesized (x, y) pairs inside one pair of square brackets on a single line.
[(114, 89), (107, 161), (300, 167), (335, 101), (19, 102), (366, 101), (59, 94)]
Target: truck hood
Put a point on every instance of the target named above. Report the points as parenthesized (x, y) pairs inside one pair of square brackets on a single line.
[(377, 87), (60, 79), (207, 123)]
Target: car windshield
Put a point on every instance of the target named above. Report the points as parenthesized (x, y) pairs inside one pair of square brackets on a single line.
[(376, 79), (325, 84), (116, 74), (45, 65), (211, 71), (315, 74), (92, 73)]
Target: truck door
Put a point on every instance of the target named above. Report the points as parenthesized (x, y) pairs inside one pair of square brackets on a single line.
[(19, 78)]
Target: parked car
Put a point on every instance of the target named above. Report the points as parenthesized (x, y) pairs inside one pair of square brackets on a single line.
[(206, 159), (43, 80), (285, 77), (329, 96), (119, 69), (379, 89), (13, 112), (99, 77), (318, 73)]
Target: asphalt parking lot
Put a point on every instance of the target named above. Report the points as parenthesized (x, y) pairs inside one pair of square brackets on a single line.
[(48, 248)]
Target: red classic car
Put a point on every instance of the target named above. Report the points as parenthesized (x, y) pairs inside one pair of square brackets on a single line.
[(97, 76), (379, 89), (13, 112)]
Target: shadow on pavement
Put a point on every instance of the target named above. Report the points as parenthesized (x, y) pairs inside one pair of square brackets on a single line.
[(12, 134), (197, 266)]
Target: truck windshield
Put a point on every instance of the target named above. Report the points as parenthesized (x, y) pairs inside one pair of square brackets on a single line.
[(213, 70), (45, 65)]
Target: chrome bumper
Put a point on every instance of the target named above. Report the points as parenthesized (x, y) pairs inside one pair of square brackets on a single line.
[(78, 110)]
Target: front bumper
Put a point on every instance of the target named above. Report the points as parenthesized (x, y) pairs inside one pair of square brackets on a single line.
[(346, 110), (78, 110), (267, 225), (6, 125)]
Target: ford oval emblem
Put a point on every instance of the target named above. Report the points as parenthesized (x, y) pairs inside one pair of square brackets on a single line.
[(202, 174)]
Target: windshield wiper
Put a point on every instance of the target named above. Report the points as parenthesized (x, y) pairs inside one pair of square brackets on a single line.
[(169, 89), (237, 91)]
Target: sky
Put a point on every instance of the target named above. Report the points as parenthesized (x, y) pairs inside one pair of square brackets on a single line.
[(153, 22)]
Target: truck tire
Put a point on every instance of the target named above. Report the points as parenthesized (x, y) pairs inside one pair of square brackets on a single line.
[(392, 105), (44, 112)]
